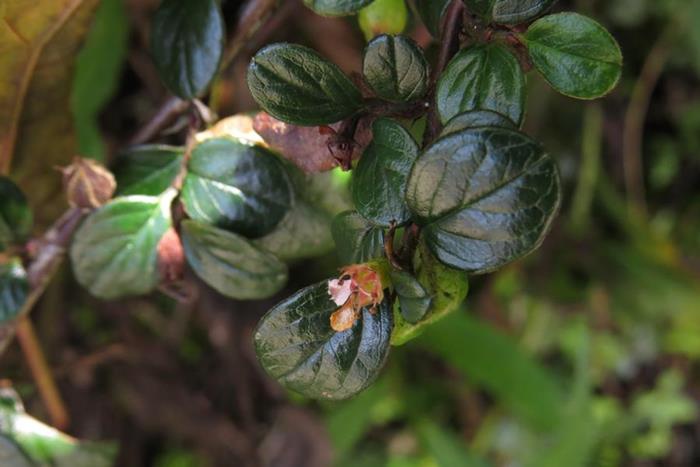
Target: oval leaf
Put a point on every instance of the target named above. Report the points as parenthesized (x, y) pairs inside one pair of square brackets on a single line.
[(487, 196), (147, 170), (509, 11), (383, 17), (379, 180), (477, 119), (577, 56), (14, 289), (395, 68), (187, 41), (296, 85), (336, 7), (230, 263), (431, 12), (414, 300), (114, 251), (236, 187), (296, 345), (356, 239), (15, 216), (483, 77)]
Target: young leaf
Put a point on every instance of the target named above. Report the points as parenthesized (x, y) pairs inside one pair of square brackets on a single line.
[(297, 346), (383, 17), (14, 288), (477, 119), (509, 11), (236, 187), (296, 85), (147, 170), (356, 239), (482, 77), (486, 197), (230, 263), (414, 300), (395, 68), (336, 7), (379, 181), (187, 41), (15, 216), (431, 12), (114, 250), (577, 56)]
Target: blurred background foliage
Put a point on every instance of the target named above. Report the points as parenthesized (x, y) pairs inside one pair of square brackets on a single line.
[(586, 353)]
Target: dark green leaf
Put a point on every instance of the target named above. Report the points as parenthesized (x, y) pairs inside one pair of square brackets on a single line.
[(575, 54), (114, 250), (395, 68), (187, 41), (336, 7), (487, 196), (431, 12), (236, 187), (379, 180), (477, 119), (509, 11), (356, 239), (147, 170), (15, 216), (296, 85), (297, 346), (414, 300), (230, 263), (482, 77), (14, 289)]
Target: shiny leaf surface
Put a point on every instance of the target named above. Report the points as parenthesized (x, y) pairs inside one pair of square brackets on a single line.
[(477, 119), (356, 239), (431, 12), (14, 288), (15, 215), (395, 68), (147, 170), (336, 7), (509, 11), (414, 300)]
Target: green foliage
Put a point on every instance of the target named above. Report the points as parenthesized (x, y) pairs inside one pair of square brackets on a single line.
[(15, 215), (414, 301), (14, 289), (431, 12), (509, 11), (477, 119), (356, 239), (336, 7), (383, 17), (147, 170)]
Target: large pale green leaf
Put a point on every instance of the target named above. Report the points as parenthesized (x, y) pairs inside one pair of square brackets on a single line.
[(395, 68), (336, 7), (15, 215), (147, 170), (297, 346), (431, 12), (114, 250), (509, 11), (575, 54), (295, 84), (187, 42), (11, 454), (14, 288), (482, 77), (379, 180), (236, 187), (356, 239), (230, 263), (485, 196)]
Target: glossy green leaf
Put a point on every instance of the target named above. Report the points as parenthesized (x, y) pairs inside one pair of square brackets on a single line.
[(231, 264), (477, 119), (379, 180), (336, 7), (383, 17), (414, 300), (395, 68), (297, 346), (14, 289), (482, 77), (15, 216), (431, 12), (296, 85), (356, 239), (576, 55), (486, 196), (187, 42), (509, 11), (236, 187), (114, 250), (147, 170)]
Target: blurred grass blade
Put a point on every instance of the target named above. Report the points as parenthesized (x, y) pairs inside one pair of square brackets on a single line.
[(446, 449)]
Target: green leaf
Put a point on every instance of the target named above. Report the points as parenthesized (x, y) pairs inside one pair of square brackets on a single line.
[(379, 180), (297, 346), (296, 85), (482, 77), (477, 119), (383, 17), (414, 300), (11, 455), (14, 289), (15, 216), (336, 7), (577, 56), (230, 263), (486, 197), (357, 240), (509, 11), (187, 42), (431, 12), (236, 187), (395, 68), (446, 448), (147, 170), (114, 251)]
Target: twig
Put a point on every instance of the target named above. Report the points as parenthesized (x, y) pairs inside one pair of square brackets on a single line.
[(255, 13), (389, 247), (164, 116)]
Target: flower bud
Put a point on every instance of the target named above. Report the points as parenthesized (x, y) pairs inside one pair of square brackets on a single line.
[(88, 184)]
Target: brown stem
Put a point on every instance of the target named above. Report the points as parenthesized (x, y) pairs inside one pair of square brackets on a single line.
[(164, 116), (389, 247), (254, 14)]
